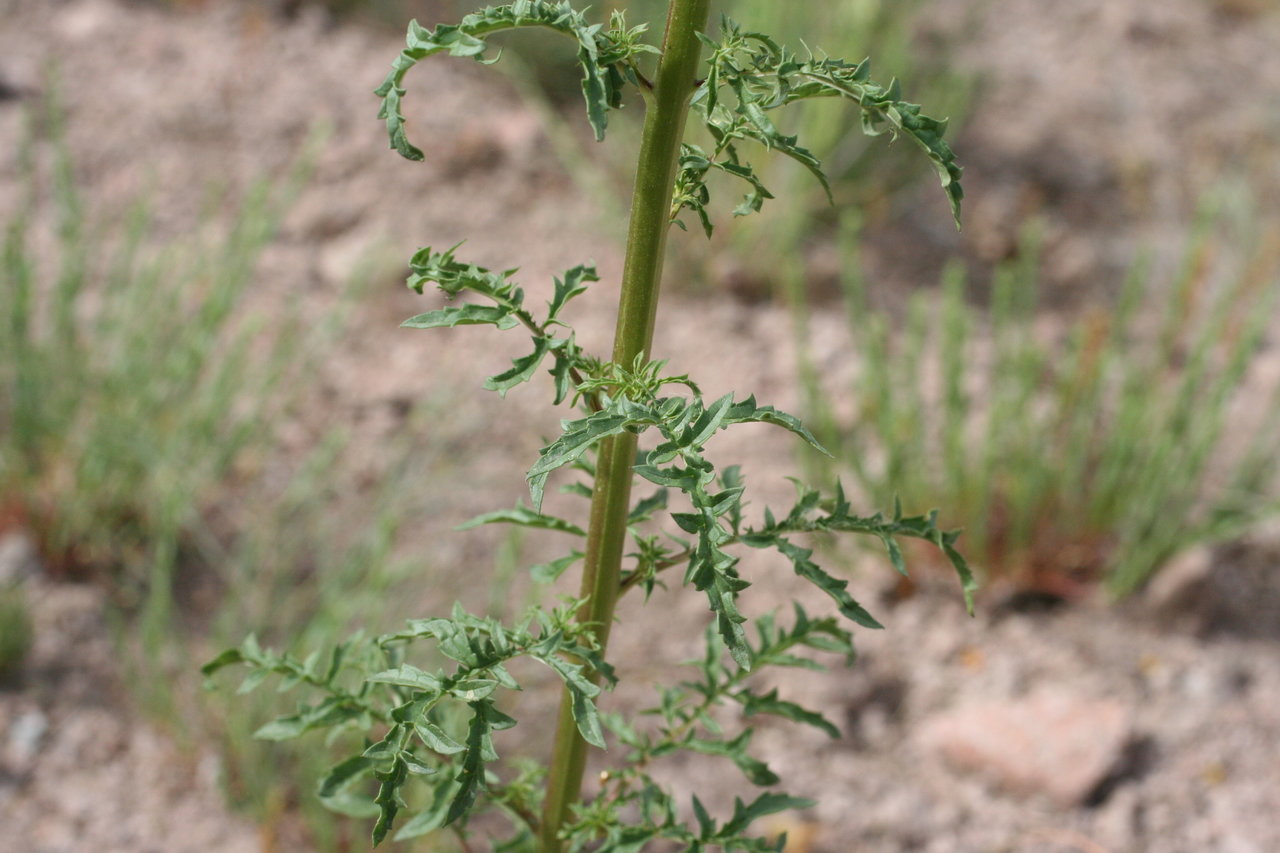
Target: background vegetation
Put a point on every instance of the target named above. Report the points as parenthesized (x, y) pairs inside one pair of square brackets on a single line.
[(138, 402), (1088, 452)]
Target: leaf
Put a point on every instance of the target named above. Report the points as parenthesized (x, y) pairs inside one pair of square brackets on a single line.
[(599, 53), (336, 658), (689, 522), (523, 517), (582, 691), (407, 675), (328, 713), (454, 277), (766, 804), (748, 412), (351, 804), (582, 490), (388, 799), (470, 778), (756, 771), (497, 720), (837, 589), (463, 315), (230, 657), (578, 436), (722, 590), (968, 583), (342, 774), (415, 765), (252, 681), (763, 76), (645, 508), (769, 703), (673, 477), (522, 369), (594, 90), (880, 107), (570, 286), (550, 572), (709, 422), (706, 826), (436, 739), (473, 689)]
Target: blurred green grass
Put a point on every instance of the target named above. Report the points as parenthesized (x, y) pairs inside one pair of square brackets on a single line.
[(140, 401), (1079, 451), (130, 379)]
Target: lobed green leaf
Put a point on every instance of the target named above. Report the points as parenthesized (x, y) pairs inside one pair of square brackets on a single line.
[(436, 739), (406, 675), (582, 691), (749, 75), (756, 771), (463, 315), (470, 778), (388, 799), (523, 517), (577, 437), (605, 57), (769, 703), (549, 572)]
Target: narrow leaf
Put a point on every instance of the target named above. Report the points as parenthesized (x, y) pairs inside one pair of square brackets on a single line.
[(550, 572), (407, 675), (463, 315), (388, 799), (522, 369), (769, 703), (523, 517), (471, 776), (436, 739)]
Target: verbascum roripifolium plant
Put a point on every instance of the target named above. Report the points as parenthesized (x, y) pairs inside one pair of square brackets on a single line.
[(429, 736)]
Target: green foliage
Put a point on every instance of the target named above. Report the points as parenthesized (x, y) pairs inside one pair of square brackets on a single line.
[(1092, 456), (762, 76), (607, 57), (412, 705), (130, 380), (433, 716), (15, 632), (508, 311), (137, 400), (312, 557), (861, 175)]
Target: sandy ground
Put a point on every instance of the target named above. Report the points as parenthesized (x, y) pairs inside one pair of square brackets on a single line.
[(1108, 123)]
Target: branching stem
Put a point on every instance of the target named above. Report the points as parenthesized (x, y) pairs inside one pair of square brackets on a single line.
[(642, 272)]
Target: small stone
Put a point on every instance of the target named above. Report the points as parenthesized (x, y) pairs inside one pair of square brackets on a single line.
[(25, 736), (1053, 745)]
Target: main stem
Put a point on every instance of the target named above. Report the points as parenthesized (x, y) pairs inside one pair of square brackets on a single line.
[(641, 274)]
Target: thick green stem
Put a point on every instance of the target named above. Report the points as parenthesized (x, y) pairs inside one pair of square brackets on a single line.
[(642, 272)]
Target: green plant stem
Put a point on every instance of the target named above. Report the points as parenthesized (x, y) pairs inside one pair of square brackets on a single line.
[(637, 308)]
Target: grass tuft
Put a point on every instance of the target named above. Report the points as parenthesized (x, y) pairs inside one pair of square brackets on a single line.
[(1090, 454), (131, 381)]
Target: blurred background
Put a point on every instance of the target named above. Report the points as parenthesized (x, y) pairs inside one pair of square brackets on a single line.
[(211, 425)]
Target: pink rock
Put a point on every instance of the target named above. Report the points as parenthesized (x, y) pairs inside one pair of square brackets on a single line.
[(1048, 744)]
